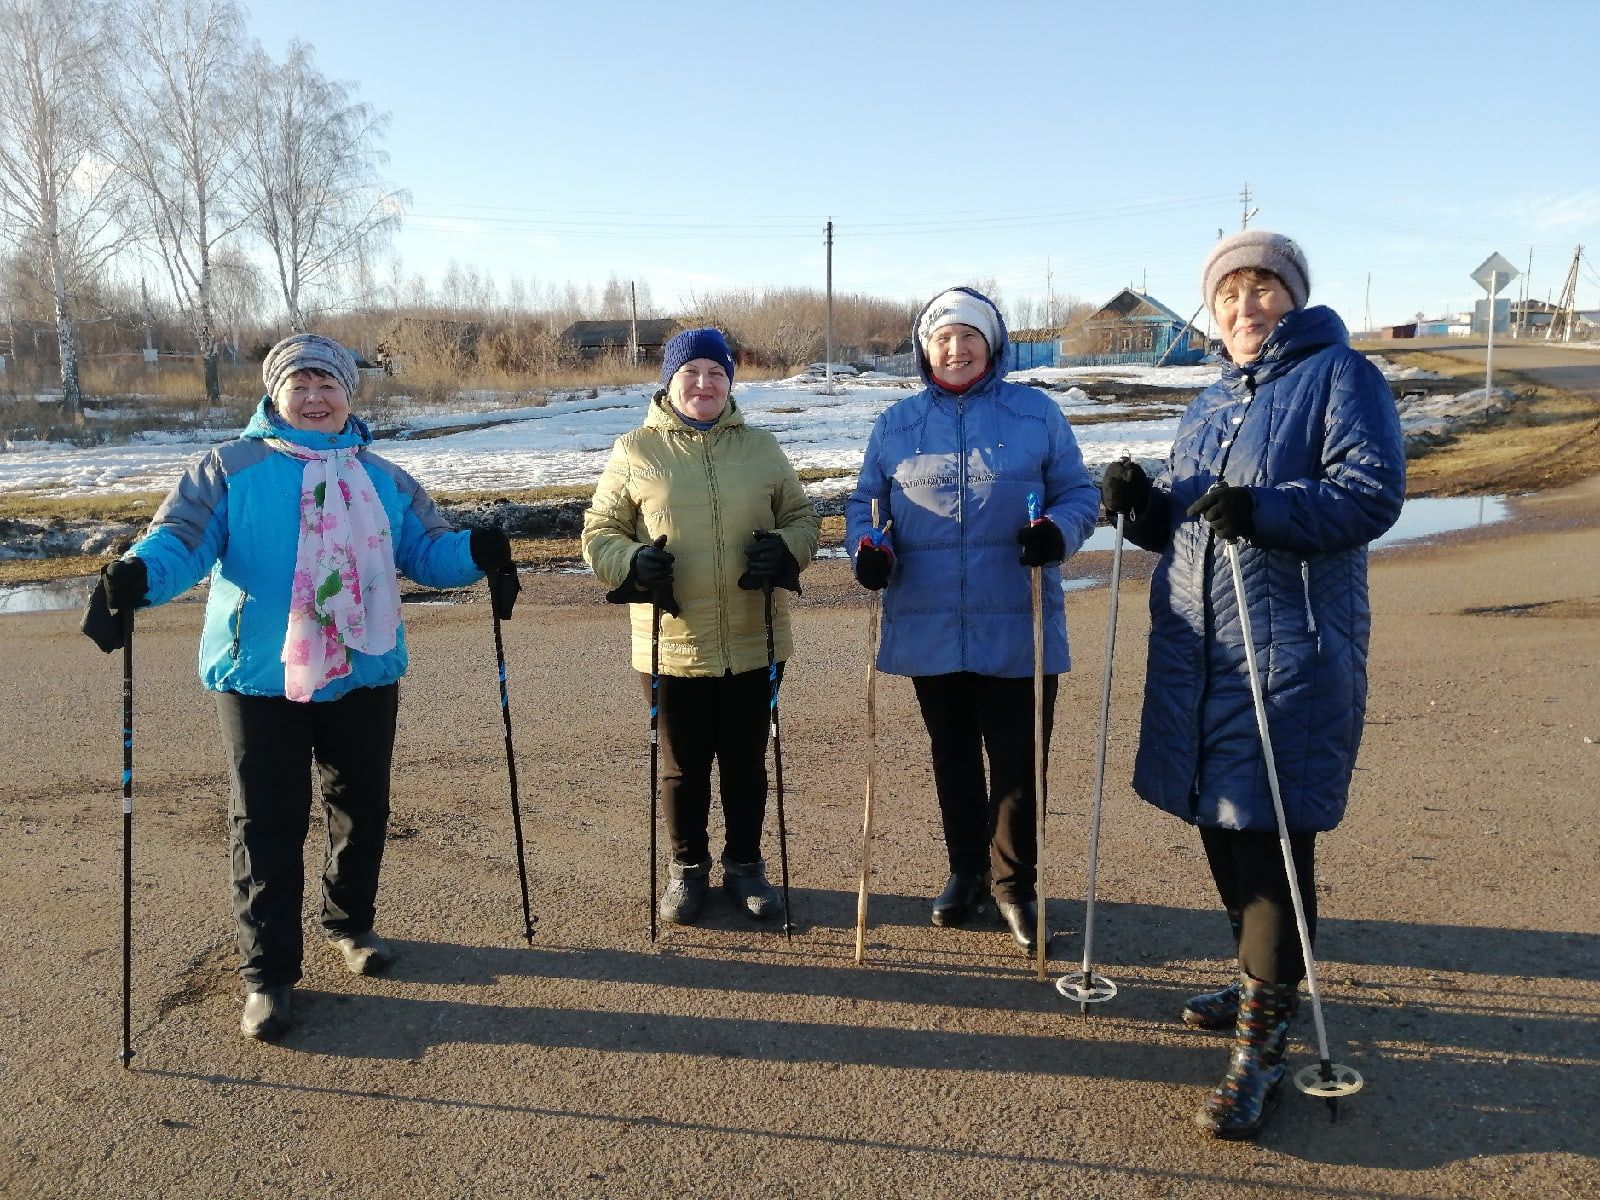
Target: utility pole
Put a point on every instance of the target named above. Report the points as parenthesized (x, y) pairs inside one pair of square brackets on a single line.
[(828, 336), (1049, 296), (1245, 211), (1566, 307), (633, 326), (1527, 295), (1369, 303)]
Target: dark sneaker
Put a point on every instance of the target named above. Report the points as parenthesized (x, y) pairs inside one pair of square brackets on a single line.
[(267, 1013), (364, 954), (747, 884), (963, 896), (685, 896)]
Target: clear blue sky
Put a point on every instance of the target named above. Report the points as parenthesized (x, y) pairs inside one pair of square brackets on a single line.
[(1075, 145)]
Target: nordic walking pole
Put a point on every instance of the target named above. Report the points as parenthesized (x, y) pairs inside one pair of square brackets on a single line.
[(1328, 1079), (777, 756), (511, 765), (872, 749), (1041, 946), (655, 750), (1086, 987), (127, 837)]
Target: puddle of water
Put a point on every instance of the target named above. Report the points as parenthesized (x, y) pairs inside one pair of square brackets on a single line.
[(1422, 518), (57, 594)]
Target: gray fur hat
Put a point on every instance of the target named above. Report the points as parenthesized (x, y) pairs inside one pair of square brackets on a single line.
[(1261, 250), (309, 352)]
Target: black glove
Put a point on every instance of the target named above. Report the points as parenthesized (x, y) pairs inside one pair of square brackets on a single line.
[(100, 625), (1231, 511), (769, 564), (491, 551), (127, 582), (873, 564), (124, 585), (1124, 487), (652, 565), (1041, 543), (649, 579)]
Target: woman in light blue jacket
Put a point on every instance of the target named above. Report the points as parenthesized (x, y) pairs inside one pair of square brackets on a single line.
[(951, 468), (302, 530)]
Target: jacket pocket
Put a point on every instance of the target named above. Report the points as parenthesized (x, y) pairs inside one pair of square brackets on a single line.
[(1305, 596), (236, 624)]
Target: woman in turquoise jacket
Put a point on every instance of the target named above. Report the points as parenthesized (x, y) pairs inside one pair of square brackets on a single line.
[(302, 530), (951, 468)]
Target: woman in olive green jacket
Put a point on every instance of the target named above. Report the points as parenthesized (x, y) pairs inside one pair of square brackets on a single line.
[(698, 504)]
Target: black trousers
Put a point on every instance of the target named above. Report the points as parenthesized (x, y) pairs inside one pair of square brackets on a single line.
[(721, 719), (1248, 870), (987, 826), (271, 744)]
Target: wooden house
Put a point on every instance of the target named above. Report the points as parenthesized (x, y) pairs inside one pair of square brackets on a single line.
[(598, 339)]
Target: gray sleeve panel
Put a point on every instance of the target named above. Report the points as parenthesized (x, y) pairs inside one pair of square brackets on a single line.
[(188, 508), (416, 497)]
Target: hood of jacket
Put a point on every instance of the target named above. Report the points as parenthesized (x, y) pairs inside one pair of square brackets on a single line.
[(266, 422), (1300, 334), (997, 353)]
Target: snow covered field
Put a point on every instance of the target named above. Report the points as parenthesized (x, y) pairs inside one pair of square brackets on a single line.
[(566, 441)]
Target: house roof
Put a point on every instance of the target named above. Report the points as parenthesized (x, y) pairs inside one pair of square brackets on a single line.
[(1130, 305), (653, 332)]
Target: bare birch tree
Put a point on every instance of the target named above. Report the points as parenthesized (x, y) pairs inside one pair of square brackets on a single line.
[(176, 117), (59, 198), (310, 181)]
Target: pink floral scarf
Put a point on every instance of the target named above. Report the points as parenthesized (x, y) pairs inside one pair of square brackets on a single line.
[(346, 595)]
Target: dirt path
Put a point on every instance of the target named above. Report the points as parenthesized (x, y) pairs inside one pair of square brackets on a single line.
[(1460, 940), (1550, 438)]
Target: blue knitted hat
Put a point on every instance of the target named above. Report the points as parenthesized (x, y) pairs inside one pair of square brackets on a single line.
[(692, 344)]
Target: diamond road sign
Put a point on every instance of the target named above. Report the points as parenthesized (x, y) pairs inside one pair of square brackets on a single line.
[(1495, 272)]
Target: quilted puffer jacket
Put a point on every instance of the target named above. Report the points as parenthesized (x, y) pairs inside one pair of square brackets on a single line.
[(1310, 428), (236, 514), (953, 474), (708, 492)]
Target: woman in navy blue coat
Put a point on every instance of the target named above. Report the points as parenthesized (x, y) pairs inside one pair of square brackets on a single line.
[(1295, 454)]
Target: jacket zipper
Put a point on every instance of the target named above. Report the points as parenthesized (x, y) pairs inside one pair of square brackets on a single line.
[(1305, 587), (238, 623), (723, 629), (961, 521)]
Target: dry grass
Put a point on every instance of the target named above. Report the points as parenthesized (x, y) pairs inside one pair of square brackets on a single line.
[(41, 507), (1549, 438), (40, 570)]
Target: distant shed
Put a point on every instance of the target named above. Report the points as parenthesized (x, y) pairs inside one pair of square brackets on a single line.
[(596, 339)]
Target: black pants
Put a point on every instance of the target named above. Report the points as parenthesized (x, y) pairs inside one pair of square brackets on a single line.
[(722, 719), (1248, 870), (987, 827), (271, 744)]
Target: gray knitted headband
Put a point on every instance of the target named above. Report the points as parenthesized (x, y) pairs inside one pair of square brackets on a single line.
[(309, 352), (1260, 250)]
